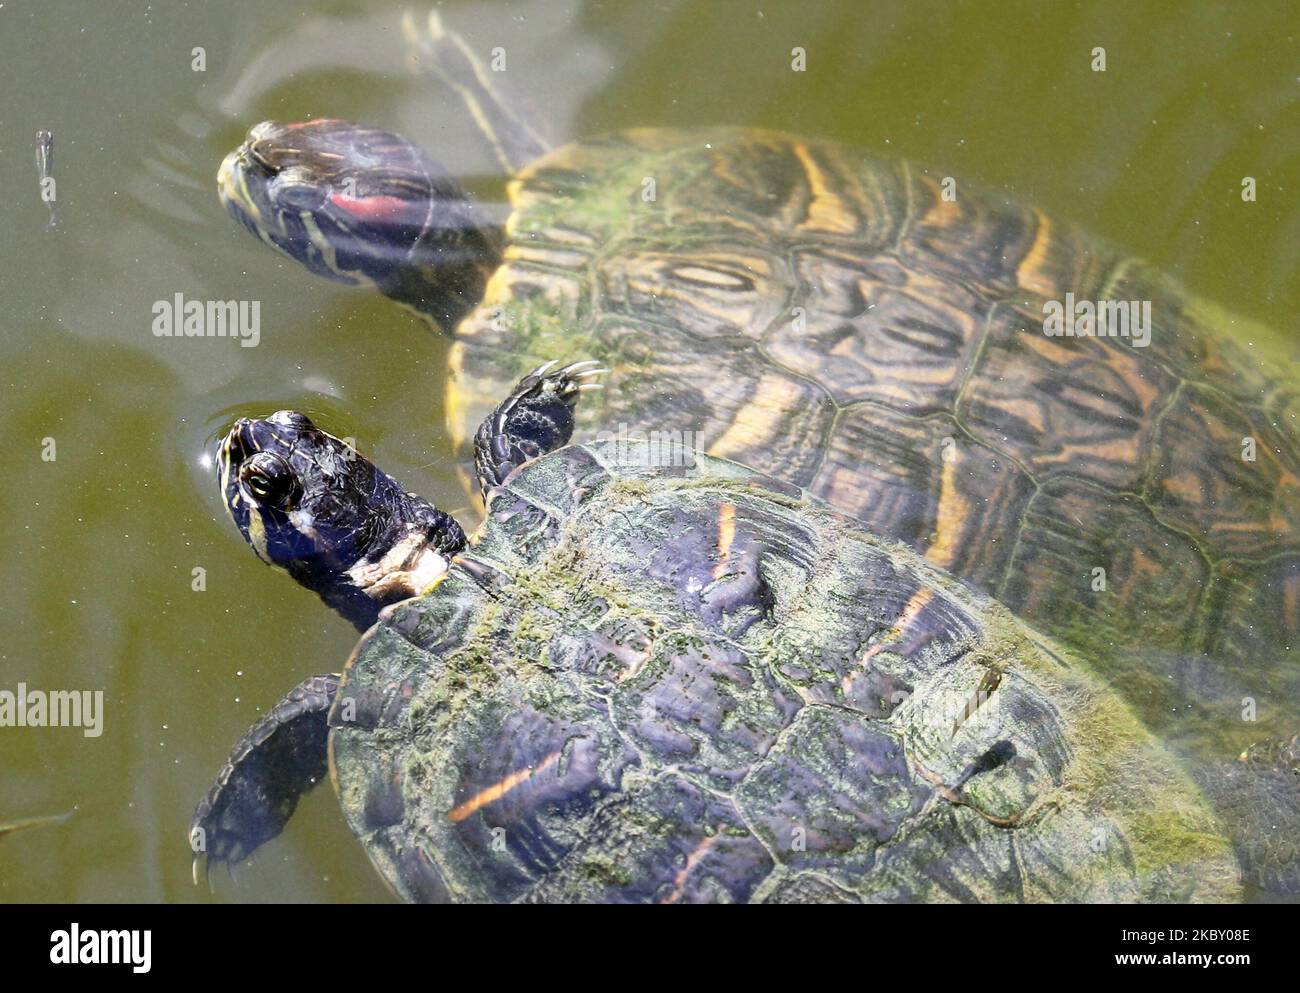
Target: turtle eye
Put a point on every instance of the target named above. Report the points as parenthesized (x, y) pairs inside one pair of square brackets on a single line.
[(301, 195), (270, 480)]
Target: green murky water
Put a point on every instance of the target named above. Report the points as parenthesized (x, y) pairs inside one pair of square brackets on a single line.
[(100, 544)]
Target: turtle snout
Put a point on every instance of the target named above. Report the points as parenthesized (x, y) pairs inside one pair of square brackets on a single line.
[(292, 419)]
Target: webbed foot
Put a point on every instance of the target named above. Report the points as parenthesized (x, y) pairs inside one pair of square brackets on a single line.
[(277, 761), (535, 419)]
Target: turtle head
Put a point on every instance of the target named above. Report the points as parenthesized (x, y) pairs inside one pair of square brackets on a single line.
[(363, 206), (308, 503)]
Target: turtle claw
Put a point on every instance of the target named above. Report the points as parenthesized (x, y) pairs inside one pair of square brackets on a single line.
[(569, 369), (542, 369), (207, 875), (535, 419), (575, 371)]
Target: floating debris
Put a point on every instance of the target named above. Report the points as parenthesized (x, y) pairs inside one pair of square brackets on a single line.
[(45, 169), (13, 827)]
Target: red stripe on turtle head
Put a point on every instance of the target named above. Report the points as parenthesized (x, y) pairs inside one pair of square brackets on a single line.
[(373, 208)]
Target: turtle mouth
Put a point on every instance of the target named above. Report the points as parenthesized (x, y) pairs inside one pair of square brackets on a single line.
[(239, 444), (278, 436), (252, 452), (281, 196), (281, 161), (251, 182), (233, 454), (268, 471), (243, 189)]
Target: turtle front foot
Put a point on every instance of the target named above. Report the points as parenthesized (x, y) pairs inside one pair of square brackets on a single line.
[(535, 419), (277, 760)]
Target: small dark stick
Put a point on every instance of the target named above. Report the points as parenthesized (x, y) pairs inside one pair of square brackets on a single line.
[(13, 827)]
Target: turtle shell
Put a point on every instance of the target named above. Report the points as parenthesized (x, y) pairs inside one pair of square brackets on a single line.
[(685, 683), (835, 320)]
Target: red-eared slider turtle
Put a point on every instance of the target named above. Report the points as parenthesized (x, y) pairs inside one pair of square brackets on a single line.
[(839, 322), (679, 682)]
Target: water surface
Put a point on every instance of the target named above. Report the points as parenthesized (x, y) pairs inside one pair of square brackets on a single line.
[(101, 544)]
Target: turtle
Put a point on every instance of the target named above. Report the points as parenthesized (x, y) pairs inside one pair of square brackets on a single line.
[(863, 329), (676, 679)]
